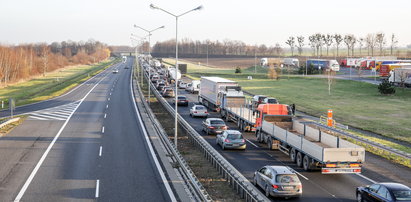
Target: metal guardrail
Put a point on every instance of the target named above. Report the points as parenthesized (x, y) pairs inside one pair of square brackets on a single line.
[(236, 180), (4, 123), (194, 185)]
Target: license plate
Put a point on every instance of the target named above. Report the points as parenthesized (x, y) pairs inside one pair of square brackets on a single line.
[(288, 187), (236, 145)]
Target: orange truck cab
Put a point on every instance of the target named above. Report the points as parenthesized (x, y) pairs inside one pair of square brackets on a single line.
[(271, 109)]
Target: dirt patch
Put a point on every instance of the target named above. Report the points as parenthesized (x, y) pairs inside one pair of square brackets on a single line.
[(215, 185)]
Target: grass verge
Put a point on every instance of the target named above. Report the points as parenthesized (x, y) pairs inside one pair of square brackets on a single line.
[(51, 85)]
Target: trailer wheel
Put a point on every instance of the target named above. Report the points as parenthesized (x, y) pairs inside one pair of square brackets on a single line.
[(306, 163), (270, 143), (299, 159), (293, 155)]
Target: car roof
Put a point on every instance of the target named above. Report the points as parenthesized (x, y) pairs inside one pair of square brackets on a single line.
[(395, 186), (198, 106), (215, 119), (280, 169), (233, 131)]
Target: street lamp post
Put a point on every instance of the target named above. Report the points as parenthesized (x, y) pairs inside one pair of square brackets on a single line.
[(149, 54), (141, 39), (176, 67)]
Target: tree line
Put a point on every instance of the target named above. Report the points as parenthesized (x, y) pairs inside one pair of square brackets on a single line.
[(321, 44), (371, 42), (21, 62)]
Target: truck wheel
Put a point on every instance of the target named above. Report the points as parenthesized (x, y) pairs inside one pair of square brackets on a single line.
[(270, 143), (299, 159), (306, 163), (293, 155)]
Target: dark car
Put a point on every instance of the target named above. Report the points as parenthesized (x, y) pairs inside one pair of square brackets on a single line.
[(214, 126), (387, 191), (160, 86), (181, 100)]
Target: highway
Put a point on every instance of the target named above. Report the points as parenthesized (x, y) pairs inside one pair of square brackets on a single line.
[(316, 186), (86, 145)]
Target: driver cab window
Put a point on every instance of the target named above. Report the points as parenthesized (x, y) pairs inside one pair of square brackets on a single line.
[(374, 188)]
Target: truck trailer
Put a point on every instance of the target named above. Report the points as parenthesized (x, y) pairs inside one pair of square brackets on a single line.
[(401, 76), (212, 90), (324, 64), (307, 144)]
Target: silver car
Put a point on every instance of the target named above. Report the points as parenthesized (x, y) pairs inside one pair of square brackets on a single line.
[(231, 139), (198, 110), (278, 181)]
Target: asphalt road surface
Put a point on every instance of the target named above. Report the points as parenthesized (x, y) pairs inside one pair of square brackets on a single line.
[(316, 186), (84, 146)]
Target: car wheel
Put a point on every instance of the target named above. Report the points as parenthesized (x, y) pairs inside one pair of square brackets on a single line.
[(293, 155), (255, 180), (299, 159), (306, 163), (267, 192), (359, 197)]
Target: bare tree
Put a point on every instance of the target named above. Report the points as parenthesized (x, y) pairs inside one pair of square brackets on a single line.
[(353, 42), (394, 42), (319, 41), (300, 40), (328, 41), (370, 42), (45, 57), (360, 43), (380, 40), (338, 39), (291, 42), (347, 41), (312, 43)]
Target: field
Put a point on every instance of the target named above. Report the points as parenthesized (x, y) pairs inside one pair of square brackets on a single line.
[(52, 85), (354, 103)]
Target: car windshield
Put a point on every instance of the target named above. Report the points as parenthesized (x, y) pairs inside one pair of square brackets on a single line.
[(217, 122), (182, 98), (234, 136), (200, 108), (287, 179), (402, 195), (272, 101)]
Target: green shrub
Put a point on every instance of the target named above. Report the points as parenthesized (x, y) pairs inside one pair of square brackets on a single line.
[(237, 70), (386, 88)]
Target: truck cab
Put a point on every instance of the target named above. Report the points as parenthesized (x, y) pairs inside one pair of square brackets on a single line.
[(281, 111)]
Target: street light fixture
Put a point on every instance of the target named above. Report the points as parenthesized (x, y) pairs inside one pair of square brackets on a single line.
[(140, 40), (176, 67), (149, 54)]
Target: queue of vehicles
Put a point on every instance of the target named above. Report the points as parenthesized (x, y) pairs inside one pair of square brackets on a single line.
[(308, 145)]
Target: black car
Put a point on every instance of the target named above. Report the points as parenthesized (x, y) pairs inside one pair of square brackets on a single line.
[(387, 191)]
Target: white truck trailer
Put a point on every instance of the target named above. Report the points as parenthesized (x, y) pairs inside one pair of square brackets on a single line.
[(401, 76), (308, 145), (211, 90)]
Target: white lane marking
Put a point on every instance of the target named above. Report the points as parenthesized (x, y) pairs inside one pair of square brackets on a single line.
[(106, 106), (35, 116), (372, 181), (153, 155), (105, 115), (102, 130), (108, 99), (300, 175), (97, 188), (40, 162), (110, 93), (252, 143), (101, 151)]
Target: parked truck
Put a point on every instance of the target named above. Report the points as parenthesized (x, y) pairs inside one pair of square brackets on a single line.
[(385, 69), (324, 64), (307, 144), (401, 76)]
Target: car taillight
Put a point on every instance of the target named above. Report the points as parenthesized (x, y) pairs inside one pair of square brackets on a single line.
[(357, 170), (225, 128), (195, 112), (275, 186), (205, 112), (354, 165), (227, 140), (211, 127), (325, 171), (243, 141)]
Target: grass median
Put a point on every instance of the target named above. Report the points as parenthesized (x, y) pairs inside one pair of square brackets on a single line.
[(52, 85), (357, 104)]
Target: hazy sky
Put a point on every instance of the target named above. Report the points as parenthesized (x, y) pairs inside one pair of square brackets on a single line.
[(254, 22)]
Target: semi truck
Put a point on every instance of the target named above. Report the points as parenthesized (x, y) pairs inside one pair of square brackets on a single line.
[(401, 76), (385, 69), (212, 90), (308, 145), (324, 64)]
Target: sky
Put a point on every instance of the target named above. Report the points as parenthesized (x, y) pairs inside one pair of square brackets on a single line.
[(253, 22)]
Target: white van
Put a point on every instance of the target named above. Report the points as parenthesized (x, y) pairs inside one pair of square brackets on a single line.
[(195, 86)]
